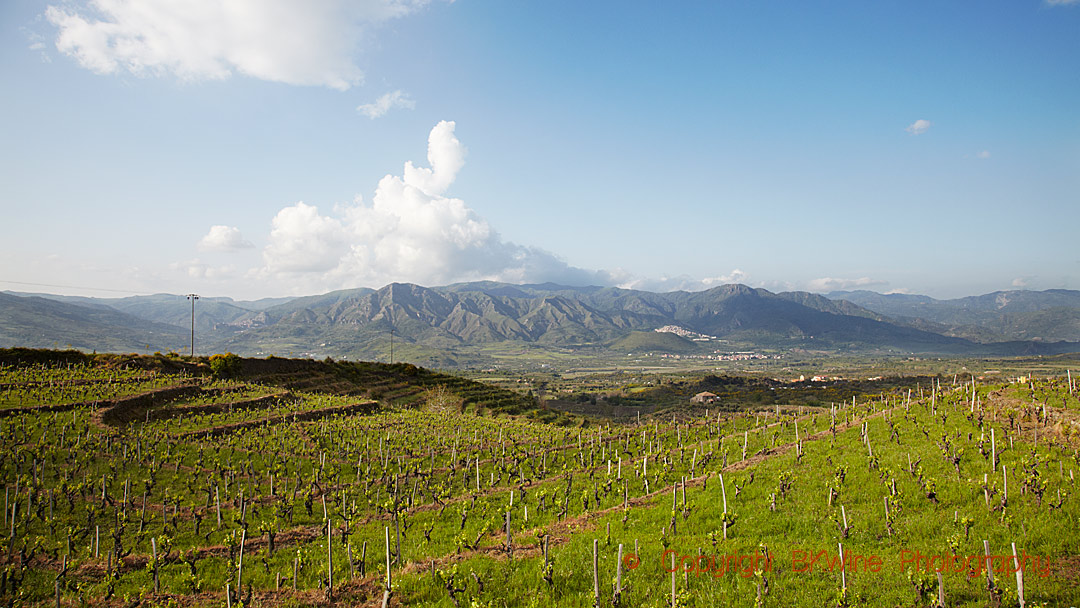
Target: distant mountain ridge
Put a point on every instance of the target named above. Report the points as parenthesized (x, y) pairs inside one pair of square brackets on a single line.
[(1050, 315), (361, 322), (37, 322)]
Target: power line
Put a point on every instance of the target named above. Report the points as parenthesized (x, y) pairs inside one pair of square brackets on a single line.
[(127, 291)]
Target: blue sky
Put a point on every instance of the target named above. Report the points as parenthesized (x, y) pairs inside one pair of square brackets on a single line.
[(257, 148)]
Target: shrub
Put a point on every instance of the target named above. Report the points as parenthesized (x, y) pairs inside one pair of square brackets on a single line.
[(224, 366)]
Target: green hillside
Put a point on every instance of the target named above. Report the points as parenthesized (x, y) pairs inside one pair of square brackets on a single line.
[(652, 341)]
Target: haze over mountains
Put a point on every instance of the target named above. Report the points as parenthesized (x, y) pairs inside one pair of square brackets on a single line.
[(1053, 314), (444, 320)]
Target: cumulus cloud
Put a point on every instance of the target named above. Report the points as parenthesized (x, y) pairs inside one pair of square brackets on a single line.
[(411, 231), (446, 156), (385, 103), (983, 154), (828, 284), (1021, 282), (302, 240), (223, 238), (680, 283), (301, 43), (918, 127)]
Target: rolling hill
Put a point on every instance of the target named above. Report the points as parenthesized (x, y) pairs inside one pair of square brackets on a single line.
[(36, 322)]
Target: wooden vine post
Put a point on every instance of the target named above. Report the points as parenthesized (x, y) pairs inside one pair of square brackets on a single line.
[(240, 566), (993, 451), (596, 571), (618, 577), (389, 580), (153, 549), (843, 570), (673, 579), (509, 547), (1019, 577), (329, 560), (363, 559), (723, 491)]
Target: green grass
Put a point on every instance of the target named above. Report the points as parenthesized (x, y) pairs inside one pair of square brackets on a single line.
[(433, 453)]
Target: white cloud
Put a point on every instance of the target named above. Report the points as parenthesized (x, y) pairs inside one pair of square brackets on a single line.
[(36, 44), (828, 284), (301, 240), (389, 101), (1061, 2), (1021, 282), (199, 270), (681, 282), (918, 127), (735, 276), (302, 43), (411, 231), (223, 238), (983, 154), (446, 156)]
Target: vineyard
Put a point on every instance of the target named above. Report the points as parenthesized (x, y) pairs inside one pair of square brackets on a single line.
[(302, 483)]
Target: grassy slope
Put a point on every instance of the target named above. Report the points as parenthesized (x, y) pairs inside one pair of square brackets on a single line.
[(803, 519)]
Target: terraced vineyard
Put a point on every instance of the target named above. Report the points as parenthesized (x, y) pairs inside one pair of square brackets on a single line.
[(165, 487)]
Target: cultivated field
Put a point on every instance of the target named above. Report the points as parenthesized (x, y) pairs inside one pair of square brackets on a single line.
[(131, 486)]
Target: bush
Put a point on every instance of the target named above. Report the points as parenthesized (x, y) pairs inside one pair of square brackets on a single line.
[(224, 366)]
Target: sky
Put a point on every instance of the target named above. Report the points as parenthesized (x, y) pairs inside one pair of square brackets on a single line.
[(257, 148)]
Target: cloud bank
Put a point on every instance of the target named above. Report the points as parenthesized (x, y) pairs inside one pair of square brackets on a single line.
[(412, 231), (829, 284), (681, 282), (302, 43)]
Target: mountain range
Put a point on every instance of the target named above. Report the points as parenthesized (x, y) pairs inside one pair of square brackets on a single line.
[(432, 324), (1048, 315)]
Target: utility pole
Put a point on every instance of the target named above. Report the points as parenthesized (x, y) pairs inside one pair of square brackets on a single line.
[(193, 297)]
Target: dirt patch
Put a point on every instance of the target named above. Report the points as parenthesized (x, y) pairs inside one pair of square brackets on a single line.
[(1066, 567), (1061, 424)]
